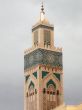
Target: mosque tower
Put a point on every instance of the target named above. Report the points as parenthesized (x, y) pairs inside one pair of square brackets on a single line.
[(43, 69)]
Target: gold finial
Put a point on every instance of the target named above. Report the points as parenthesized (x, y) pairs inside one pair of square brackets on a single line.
[(42, 8), (42, 12)]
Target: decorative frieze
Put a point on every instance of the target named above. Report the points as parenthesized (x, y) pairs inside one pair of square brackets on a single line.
[(42, 56)]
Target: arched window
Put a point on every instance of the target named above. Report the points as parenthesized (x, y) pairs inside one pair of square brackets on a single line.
[(51, 92), (51, 96), (36, 38), (47, 38), (31, 91)]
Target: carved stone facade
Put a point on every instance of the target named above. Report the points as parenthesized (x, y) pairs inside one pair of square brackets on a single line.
[(43, 88), (43, 70)]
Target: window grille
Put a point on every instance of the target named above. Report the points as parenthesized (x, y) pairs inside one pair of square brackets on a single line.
[(47, 39), (36, 38)]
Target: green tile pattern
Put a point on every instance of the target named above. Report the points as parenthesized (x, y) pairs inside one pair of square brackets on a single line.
[(44, 73), (44, 57), (57, 76), (35, 74)]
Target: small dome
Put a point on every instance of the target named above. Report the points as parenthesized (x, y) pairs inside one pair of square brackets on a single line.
[(45, 21)]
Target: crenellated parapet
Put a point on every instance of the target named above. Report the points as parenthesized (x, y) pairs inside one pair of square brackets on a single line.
[(56, 49)]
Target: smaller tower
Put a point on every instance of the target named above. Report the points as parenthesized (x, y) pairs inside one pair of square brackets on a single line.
[(43, 32), (43, 69)]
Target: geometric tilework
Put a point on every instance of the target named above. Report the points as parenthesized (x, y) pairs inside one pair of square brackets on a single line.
[(44, 73), (57, 76), (35, 74), (43, 56)]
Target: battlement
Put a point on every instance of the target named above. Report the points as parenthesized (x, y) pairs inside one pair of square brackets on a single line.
[(57, 49)]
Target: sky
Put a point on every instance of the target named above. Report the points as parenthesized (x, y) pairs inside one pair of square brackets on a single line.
[(16, 20)]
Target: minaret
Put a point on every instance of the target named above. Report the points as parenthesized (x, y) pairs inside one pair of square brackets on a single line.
[(43, 32), (43, 69)]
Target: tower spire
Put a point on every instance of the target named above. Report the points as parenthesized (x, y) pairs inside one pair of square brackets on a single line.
[(42, 13), (42, 7)]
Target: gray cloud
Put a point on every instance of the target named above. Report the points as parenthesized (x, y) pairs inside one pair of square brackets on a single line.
[(16, 20)]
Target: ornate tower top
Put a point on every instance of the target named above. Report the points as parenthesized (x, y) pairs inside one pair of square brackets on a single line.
[(43, 34)]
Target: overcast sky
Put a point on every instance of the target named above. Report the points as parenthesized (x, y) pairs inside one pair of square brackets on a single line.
[(16, 20)]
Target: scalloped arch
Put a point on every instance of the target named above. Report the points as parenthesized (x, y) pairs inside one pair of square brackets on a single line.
[(51, 82), (31, 84)]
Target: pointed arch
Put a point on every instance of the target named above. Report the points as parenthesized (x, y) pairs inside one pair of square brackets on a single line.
[(51, 82), (31, 84), (51, 77)]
